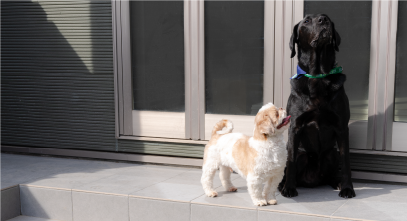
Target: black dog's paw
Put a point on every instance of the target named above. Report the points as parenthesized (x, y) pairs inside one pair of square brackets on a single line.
[(347, 193), (289, 192)]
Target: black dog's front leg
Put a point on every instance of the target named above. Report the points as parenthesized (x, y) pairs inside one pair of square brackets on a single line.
[(289, 189), (346, 185)]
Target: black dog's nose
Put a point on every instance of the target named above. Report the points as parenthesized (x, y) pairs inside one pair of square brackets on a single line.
[(322, 19)]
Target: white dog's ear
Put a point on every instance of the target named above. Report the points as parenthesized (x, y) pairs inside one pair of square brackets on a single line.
[(264, 124)]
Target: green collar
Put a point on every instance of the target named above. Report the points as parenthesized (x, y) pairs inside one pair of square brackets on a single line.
[(300, 73)]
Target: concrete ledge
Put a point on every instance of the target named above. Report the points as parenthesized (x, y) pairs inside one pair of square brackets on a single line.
[(89, 206), (106, 155), (10, 202)]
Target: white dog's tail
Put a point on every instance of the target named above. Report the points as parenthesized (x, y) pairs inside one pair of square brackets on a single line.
[(222, 127)]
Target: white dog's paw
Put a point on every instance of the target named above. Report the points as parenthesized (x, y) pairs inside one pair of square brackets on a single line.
[(211, 193), (272, 202), (232, 189), (260, 202)]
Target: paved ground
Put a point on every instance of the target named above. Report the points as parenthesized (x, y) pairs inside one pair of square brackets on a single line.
[(140, 183)]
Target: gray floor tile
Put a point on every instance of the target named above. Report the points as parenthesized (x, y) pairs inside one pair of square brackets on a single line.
[(156, 170), (211, 213), (377, 191), (146, 209), (321, 200), (99, 207), (10, 203), (39, 168), (376, 202), (276, 216), (129, 181), (11, 178), (30, 218), (373, 210), (186, 186), (94, 166), (169, 167), (240, 198), (46, 203), (68, 180)]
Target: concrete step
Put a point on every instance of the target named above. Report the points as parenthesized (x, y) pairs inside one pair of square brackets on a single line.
[(87, 190)]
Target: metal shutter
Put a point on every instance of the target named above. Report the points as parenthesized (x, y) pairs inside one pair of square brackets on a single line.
[(57, 74)]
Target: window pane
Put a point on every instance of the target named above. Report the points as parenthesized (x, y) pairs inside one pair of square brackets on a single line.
[(400, 103), (157, 46), (234, 48), (353, 23)]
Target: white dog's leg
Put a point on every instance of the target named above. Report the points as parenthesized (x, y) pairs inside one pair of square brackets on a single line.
[(208, 173), (269, 191), (254, 185), (224, 174)]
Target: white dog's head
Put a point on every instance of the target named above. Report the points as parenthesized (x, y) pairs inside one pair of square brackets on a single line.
[(269, 121)]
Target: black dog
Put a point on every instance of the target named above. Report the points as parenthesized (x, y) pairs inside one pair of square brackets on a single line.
[(319, 108)]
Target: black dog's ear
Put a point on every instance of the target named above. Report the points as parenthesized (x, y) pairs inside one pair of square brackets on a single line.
[(336, 38), (293, 40)]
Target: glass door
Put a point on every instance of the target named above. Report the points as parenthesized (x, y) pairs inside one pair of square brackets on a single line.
[(157, 67), (234, 63)]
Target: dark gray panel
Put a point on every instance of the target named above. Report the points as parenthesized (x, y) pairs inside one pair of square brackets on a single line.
[(57, 74), (400, 92), (158, 148), (378, 163), (157, 52), (234, 48)]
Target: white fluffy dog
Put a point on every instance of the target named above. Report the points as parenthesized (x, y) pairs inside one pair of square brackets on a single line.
[(259, 159)]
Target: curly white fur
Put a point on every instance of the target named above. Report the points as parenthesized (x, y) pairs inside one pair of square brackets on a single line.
[(267, 167)]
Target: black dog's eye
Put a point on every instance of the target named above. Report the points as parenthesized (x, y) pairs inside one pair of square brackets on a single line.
[(306, 21)]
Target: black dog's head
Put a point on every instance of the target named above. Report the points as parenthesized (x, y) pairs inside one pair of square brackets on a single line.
[(314, 31)]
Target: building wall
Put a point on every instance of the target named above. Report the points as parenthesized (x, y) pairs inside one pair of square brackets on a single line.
[(57, 83)]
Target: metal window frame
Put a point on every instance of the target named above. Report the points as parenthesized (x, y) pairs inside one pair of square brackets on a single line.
[(386, 135), (122, 68), (195, 119), (379, 132), (156, 124), (194, 69), (383, 95)]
